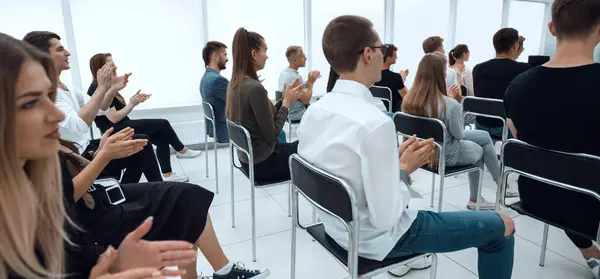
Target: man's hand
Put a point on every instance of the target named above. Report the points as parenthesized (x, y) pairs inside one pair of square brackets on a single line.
[(405, 144), (105, 74), (404, 74), (313, 76), (416, 155), (134, 252)]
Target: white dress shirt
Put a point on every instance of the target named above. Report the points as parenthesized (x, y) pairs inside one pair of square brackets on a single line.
[(73, 128), (346, 134)]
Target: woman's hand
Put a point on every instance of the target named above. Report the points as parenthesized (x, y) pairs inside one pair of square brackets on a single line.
[(118, 83), (292, 92), (121, 145), (139, 98), (455, 92), (107, 260), (134, 252)]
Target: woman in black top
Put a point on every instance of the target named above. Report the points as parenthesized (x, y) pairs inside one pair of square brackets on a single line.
[(159, 131)]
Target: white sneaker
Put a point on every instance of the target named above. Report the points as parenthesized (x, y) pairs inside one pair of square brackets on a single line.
[(594, 265), (512, 192), (483, 205), (176, 178), (417, 264), (189, 154)]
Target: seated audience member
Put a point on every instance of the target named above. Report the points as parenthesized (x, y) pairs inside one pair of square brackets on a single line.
[(159, 131), (333, 77), (80, 111), (248, 105), (436, 44), (391, 80), (457, 58), (37, 241), (356, 142), (213, 88), (297, 59), (491, 78), (428, 98), (536, 106)]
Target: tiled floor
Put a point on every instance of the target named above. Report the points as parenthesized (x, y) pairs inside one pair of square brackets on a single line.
[(563, 260)]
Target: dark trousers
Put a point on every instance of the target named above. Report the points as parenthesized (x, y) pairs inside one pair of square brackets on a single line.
[(161, 134), (276, 166), (134, 165)]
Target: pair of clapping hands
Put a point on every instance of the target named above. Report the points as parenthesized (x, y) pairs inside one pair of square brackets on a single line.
[(107, 78), (140, 259), (415, 153), (296, 89)]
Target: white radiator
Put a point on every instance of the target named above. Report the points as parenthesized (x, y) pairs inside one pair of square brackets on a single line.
[(190, 132)]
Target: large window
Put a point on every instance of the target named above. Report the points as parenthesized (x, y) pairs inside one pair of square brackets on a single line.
[(281, 23), (528, 18), (160, 42), (18, 18), (477, 22), (414, 22), (323, 12)]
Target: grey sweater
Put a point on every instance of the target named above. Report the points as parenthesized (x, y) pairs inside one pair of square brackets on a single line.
[(453, 119), (252, 109)]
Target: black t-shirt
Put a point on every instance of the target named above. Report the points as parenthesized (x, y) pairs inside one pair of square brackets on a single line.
[(557, 109), (394, 82), (490, 80), (102, 122)]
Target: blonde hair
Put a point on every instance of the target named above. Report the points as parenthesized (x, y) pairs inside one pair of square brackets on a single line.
[(32, 213)]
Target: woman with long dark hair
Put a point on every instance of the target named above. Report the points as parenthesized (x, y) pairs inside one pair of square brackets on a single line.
[(457, 58), (428, 97), (159, 131), (248, 104)]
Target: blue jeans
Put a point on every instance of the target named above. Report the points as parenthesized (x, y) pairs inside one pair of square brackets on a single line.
[(477, 148), (495, 132), (453, 231)]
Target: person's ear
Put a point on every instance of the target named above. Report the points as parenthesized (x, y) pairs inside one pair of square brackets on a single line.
[(552, 28), (253, 52)]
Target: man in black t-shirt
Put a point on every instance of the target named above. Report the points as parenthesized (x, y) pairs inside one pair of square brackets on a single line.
[(391, 80), (491, 78), (556, 107)]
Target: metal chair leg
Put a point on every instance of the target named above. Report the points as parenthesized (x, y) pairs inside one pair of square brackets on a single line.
[(216, 166), (441, 197), (434, 263), (479, 188), (294, 222), (253, 202), (544, 244), (432, 188), (290, 200), (232, 192), (206, 151)]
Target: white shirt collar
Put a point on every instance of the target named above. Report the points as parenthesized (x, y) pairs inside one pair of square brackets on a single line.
[(357, 89)]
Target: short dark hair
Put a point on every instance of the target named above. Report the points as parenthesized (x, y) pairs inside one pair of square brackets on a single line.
[(575, 18), (210, 48), (391, 48), (41, 39), (432, 44), (292, 51), (505, 39), (344, 38)]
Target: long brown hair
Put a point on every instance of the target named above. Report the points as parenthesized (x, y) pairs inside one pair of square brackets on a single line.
[(32, 213), (244, 42), (426, 94), (96, 63)]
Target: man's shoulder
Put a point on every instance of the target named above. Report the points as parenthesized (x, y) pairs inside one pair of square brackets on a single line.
[(350, 109)]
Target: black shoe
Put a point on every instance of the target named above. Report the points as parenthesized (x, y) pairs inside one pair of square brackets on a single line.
[(239, 271)]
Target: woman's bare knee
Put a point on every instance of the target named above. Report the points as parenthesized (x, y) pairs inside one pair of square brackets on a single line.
[(509, 225)]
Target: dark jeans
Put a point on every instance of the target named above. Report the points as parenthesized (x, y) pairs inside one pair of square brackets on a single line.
[(134, 165), (276, 166), (453, 231), (160, 133)]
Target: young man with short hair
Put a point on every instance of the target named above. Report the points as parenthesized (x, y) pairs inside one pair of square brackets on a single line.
[(436, 44), (393, 81), (491, 78), (297, 59), (346, 134), (555, 106), (80, 111), (213, 88)]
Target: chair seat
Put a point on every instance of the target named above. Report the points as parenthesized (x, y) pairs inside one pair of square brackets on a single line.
[(450, 170), (364, 265), (258, 183), (518, 207)]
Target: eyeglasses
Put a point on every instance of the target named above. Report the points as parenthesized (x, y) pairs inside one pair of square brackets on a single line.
[(383, 49)]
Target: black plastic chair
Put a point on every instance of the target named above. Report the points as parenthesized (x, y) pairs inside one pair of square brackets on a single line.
[(425, 128), (239, 140), (209, 114), (488, 108), (382, 93), (333, 196), (569, 171)]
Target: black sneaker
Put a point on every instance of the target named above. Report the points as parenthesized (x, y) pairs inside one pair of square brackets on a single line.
[(239, 271)]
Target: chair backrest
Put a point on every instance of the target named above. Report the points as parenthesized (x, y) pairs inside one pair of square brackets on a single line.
[(561, 169), (485, 107), (423, 127), (239, 137), (324, 190), (278, 96), (464, 90), (209, 112), (382, 93)]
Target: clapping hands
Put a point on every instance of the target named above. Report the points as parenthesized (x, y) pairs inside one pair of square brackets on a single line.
[(139, 98)]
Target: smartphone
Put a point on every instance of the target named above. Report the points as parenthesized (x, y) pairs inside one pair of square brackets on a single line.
[(113, 190)]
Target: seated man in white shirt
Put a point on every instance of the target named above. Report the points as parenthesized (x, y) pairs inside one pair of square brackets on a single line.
[(345, 134), (80, 111)]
